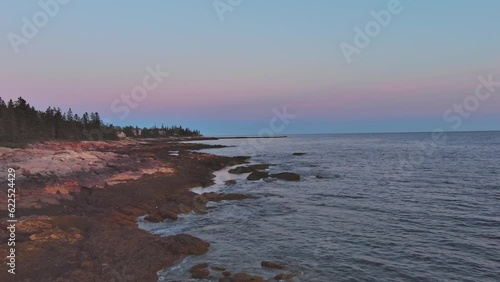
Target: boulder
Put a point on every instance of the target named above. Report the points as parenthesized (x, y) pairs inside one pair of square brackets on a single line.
[(168, 214), (257, 175), (187, 244), (166, 211), (154, 217), (230, 182), (288, 176)]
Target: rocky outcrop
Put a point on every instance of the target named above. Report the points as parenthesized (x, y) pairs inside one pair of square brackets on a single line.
[(288, 176), (258, 175), (71, 230), (59, 170), (248, 168), (190, 203)]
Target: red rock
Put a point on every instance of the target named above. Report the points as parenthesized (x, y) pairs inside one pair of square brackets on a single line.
[(202, 273), (57, 235)]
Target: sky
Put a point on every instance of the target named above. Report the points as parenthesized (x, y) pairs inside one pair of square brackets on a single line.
[(235, 67)]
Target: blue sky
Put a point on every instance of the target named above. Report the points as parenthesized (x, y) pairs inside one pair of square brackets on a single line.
[(226, 76)]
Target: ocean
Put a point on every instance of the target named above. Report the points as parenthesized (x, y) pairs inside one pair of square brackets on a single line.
[(369, 207)]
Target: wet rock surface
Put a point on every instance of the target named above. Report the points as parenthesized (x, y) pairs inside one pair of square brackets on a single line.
[(249, 168), (258, 175), (288, 176)]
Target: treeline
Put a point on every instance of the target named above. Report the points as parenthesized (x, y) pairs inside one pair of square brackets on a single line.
[(21, 123), (157, 132)]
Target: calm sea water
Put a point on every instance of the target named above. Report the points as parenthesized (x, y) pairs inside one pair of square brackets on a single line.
[(387, 207)]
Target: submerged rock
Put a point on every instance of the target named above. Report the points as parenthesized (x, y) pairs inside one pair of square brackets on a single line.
[(289, 176), (230, 182), (272, 264)]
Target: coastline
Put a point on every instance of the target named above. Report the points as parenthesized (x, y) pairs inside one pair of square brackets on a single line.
[(84, 228)]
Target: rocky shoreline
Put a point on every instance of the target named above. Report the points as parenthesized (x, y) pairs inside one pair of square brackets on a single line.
[(77, 206), (78, 202)]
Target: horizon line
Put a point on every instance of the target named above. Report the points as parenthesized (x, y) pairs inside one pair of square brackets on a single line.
[(346, 133)]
